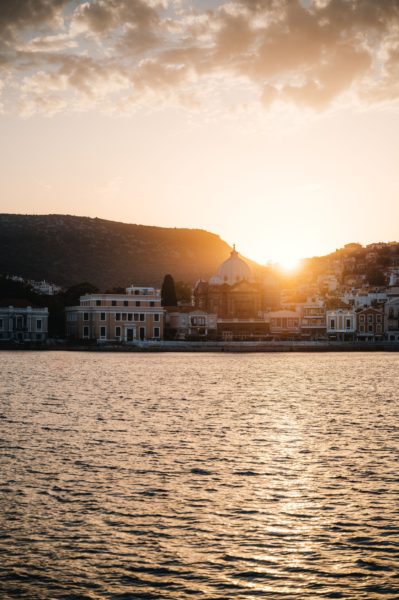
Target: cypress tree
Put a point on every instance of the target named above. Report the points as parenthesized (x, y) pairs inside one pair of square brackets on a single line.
[(168, 292)]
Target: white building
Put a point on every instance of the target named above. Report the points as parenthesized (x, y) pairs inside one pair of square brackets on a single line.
[(361, 298), (23, 324), (45, 288), (341, 324), (391, 320)]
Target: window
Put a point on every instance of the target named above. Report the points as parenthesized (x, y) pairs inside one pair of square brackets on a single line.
[(136, 292), (117, 332), (103, 333), (98, 302), (138, 303), (361, 328), (126, 303), (156, 317), (85, 332), (1, 323), (38, 336), (129, 317), (370, 328), (85, 316), (152, 303), (124, 317), (38, 324), (378, 328), (102, 316), (379, 318), (117, 316), (348, 323), (361, 318), (332, 324), (113, 302), (156, 332), (194, 320), (142, 317), (370, 318), (136, 316)]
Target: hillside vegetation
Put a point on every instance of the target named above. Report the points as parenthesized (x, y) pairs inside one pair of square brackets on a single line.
[(67, 250)]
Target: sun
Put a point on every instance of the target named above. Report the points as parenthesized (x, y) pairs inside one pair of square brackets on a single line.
[(288, 264)]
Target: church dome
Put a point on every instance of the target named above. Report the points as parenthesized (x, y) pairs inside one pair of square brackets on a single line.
[(233, 269)]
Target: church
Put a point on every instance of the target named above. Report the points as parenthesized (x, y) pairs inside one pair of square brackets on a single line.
[(237, 298)]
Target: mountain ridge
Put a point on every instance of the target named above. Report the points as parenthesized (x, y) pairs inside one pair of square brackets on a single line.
[(68, 249)]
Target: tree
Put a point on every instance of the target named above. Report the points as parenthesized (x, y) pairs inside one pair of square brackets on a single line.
[(183, 291), (168, 292), (72, 295), (375, 277), (14, 289)]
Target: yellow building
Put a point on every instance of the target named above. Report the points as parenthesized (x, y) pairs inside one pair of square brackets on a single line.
[(136, 315)]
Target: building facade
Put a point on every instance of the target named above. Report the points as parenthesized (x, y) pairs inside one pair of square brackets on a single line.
[(313, 319), (391, 320), (237, 299), (370, 324), (341, 324), (284, 324), (126, 318), (189, 323), (23, 324)]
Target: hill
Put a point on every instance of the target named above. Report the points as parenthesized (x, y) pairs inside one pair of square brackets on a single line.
[(67, 250)]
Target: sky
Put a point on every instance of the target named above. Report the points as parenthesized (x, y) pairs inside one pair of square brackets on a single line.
[(273, 123)]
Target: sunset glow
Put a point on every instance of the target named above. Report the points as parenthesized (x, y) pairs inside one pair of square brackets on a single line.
[(289, 264), (206, 116)]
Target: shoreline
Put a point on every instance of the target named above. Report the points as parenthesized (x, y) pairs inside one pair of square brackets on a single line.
[(233, 347)]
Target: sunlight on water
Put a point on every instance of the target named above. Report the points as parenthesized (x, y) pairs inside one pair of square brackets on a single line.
[(190, 475)]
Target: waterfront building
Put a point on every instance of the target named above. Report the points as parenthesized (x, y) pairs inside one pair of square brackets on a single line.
[(341, 324), (391, 321), (243, 330), (189, 323), (370, 324), (284, 324), (136, 315), (313, 319), (23, 323), (237, 298)]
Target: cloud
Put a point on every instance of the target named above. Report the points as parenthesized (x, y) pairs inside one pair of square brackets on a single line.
[(19, 15), (308, 53)]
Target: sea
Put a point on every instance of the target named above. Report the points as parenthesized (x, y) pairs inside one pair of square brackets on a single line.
[(213, 476)]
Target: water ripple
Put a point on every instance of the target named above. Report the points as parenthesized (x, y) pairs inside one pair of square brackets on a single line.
[(178, 476)]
